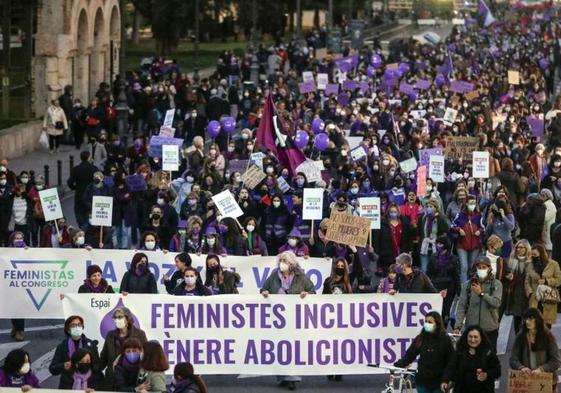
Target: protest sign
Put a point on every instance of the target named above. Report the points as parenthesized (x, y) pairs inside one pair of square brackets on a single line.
[(323, 80), (424, 154), (349, 85), (422, 181), (257, 158), (283, 185), (311, 171), (253, 176), (536, 125), (346, 229), (480, 166), (406, 88), (278, 335), (450, 115), (170, 158), (408, 165), (370, 208), (50, 203), (307, 87), (418, 114), (167, 132), (239, 166), (102, 211), (168, 120), (331, 88), (226, 204), (423, 84), (307, 76), (312, 206), (513, 77), (461, 87), (460, 147), (436, 168), (354, 141), (472, 95), (358, 153), (157, 141), (519, 382), (36, 277), (136, 182)]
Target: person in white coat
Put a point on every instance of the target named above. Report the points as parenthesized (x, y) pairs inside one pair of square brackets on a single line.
[(549, 219), (55, 124)]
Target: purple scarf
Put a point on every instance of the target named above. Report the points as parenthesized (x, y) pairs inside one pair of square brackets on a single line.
[(129, 366), (388, 284), (72, 346), (285, 283), (81, 380), (180, 385), (101, 288), (430, 222)]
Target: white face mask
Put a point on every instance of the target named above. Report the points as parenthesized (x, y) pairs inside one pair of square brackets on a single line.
[(190, 281), (25, 368), (270, 170), (292, 242), (120, 323), (3, 182), (24, 180), (471, 207), (276, 204), (211, 241), (150, 245), (482, 273), (76, 331), (161, 201), (80, 241), (231, 148), (284, 267), (250, 228)]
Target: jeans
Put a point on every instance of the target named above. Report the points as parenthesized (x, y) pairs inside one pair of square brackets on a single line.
[(466, 261), (122, 236), (424, 262), (423, 389)]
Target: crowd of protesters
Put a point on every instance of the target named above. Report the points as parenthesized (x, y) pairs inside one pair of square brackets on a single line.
[(489, 246)]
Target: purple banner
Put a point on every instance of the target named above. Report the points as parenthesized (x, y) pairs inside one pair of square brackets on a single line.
[(461, 87), (157, 141), (343, 99), (307, 87), (423, 84), (424, 155), (406, 88), (345, 64), (331, 88), (349, 85)]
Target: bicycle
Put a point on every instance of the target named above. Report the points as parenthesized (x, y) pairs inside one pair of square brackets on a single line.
[(402, 375)]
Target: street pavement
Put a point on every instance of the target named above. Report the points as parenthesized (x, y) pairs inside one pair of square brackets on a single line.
[(42, 336)]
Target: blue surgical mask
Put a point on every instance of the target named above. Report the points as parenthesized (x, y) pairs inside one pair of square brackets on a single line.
[(394, 215), (428, 327), (430, 211), (133, 357)]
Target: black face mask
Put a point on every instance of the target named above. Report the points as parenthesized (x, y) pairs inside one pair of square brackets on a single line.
[(83, 368), (213, 269), (340, 271), (156, 216)]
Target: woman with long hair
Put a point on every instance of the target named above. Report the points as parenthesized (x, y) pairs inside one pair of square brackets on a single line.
[(218, 280), (468, 230), (515, 300), (475, 366), (434, 349), (338, 282), (139, 278), (535, 348), (191, 285), (151, 376), (186, 381)]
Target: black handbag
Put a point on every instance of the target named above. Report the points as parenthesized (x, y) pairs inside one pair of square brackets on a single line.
[(59, 125)]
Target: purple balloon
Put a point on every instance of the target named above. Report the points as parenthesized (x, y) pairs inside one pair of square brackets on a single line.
[(412, 96), (371, 71), (544, 64), (440, 80), (376, 61), (213, 128), (301, 139), (321, 141), (229, 125), (318, 126)]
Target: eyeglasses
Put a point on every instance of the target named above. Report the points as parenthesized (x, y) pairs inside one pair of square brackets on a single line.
[(75, 325)]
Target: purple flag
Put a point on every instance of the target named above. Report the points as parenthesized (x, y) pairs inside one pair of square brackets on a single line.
[(536, 125), (345, 64), (461, 87), (364, 87)]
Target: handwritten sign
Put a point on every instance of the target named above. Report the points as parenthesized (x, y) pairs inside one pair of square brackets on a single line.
[(253, 176), (358, 153), (513, 77), (480, 164), (346, 229), (168, 120), (424, 154), (310, 170), (460, 147), (370, 208), (518, 382), (450, 115), (102, 211), (308, 76), (323, 80)]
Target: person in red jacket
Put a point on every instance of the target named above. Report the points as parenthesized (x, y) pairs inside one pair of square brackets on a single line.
[(468, 230), (51, 239)]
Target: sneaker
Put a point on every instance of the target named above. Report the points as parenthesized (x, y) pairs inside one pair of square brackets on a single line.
[(19, 335)]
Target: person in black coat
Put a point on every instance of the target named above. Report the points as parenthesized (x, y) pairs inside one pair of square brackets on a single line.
[(444, 273), (435, 351), (80, 177), (182, 261), (395, 236), (75, 339), (193, 126), (475, 366), (128, 365), (95, 283), (139, 278), (186, 381), (410, 280), (6, 204)]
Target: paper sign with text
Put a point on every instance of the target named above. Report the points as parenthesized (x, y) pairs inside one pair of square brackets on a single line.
[(170, 158), (102, 211), (253, 176), (50, 203), (226, 204), (480, 166), (436, 168), (370, 208), (312, 206), (346, 229)]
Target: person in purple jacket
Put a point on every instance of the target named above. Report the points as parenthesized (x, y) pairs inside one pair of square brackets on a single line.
[(295, 244), (16, 371)]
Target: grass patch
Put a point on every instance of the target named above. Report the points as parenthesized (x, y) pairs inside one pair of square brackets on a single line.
[(185, 55)]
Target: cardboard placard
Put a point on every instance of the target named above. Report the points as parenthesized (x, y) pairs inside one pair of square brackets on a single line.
[(472, 95), (370, 208), (460, 147), (102, 211), (170, 158), (310, 170), (346, 229), (312, 205), (253, 176), (408, 165), (226, 204), (513, 77), (480, 168), (50, 203), (518, 382), (436, 168)]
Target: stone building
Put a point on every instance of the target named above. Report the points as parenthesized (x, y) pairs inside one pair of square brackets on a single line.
[(77, 43)]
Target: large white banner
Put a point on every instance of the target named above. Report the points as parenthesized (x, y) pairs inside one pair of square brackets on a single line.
[(34, 279), (278, 335)]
